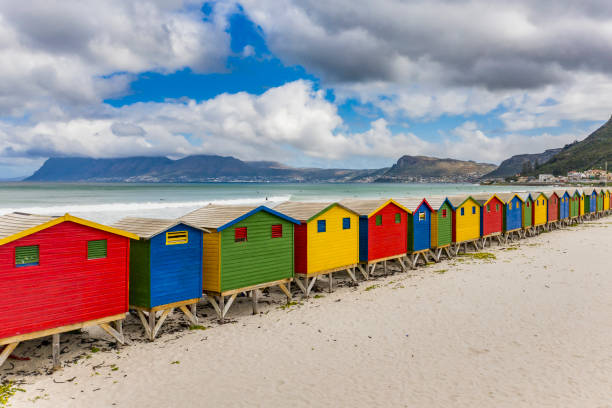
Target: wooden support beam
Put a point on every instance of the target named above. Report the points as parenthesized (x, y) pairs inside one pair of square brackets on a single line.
[(331, 283), (8, 349), (363, 272), (114, 333), (229, 304), (311, 285), (145, 323), (213, 302), (152, 316), (351, 273), (286, 291), (254, 298), (159, 323), (55, 347), (191, 314), (298, 282)]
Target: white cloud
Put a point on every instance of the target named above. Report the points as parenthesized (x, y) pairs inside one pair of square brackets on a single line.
[(75, 53)]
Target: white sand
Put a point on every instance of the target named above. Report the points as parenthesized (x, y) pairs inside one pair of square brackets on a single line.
[(531, 329)]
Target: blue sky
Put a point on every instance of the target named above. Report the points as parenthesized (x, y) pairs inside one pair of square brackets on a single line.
[(299, 82)]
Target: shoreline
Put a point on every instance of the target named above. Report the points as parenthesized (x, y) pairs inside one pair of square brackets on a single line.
[(530, 327)]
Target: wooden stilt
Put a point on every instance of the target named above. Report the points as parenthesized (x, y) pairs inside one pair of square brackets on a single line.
[(56, 352), (114, 333), (286, 291), (363, 272), (159, 323), (8, 349), (254, 297), (331, 283), (190, 314)]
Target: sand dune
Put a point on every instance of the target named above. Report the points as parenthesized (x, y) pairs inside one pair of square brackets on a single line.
[(531, 328)]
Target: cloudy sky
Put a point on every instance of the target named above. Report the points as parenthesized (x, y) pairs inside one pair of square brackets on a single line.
[(349, 83)]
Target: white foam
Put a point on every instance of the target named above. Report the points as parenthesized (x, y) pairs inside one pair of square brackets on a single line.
[(144, 206)]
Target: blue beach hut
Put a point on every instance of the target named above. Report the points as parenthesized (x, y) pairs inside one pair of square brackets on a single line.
[(513, 214), (419, 228), (592, 201), (165, 269), (564, 205)]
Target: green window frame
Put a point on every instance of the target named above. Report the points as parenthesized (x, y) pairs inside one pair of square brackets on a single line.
[(398, 218), (379, 219), (97, 249), (27, 256)]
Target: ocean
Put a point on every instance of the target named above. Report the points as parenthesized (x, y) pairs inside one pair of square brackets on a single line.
[(107, 203)]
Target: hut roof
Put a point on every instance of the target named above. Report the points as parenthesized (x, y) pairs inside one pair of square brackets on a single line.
[(412, 203), (220, 217), (147, 228), (507, 197), (18, 225), (369, 207), (484, 198), (525, 195), (436, 202), (305, 211), (561, 193), (550, 193), (457, 201)]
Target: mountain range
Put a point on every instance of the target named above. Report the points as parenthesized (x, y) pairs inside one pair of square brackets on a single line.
[(210, 168)]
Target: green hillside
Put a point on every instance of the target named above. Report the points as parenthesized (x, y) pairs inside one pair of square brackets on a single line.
[(590, 153)]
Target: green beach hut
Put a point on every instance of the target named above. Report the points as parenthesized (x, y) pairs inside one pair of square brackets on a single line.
[(441, 226), (248, 248), (527, 227)]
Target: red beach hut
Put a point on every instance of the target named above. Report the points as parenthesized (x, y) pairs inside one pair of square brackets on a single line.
[(552, 219), (59, 274), (492, 217)]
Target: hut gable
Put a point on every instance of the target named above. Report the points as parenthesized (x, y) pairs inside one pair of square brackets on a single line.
[(220, 217), (419, 223), (441, 221), (527, 209), (147, 228), (540, 209), (553, 205)]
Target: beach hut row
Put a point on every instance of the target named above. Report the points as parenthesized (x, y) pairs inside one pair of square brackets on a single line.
[(59, 274)]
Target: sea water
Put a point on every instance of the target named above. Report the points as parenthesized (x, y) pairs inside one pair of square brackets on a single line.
[(107, 203)]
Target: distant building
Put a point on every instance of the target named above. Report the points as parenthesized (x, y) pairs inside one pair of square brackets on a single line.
[(544, 178)]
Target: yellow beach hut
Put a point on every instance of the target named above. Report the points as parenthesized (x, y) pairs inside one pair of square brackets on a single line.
[(326, 241), (540, 211), (466, 222)]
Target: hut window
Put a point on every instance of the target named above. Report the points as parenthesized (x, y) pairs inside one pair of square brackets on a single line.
[(527, 204), (496, 207), (177, 237), (379, 220), (321, 226), (277, 231), (346, 223), (26, 255), (422, 216), (538, 203), (240, 234), (96, 249), (473, 209), (510, 206), (462, 211), (444, 213), (398, 218)]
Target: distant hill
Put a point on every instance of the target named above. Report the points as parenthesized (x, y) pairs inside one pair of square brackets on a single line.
[(589, 153), (210, 168), (520, 163), (409, 167)]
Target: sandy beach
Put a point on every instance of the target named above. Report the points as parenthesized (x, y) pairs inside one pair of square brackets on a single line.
[(527, 326)]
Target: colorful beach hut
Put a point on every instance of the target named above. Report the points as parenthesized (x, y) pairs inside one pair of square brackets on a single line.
[(583, 207), (552, 214), (527, 218), (383, 232), (419, 229), (564, 206), (512, 215), (607, 201), (590, 202), (165, 269), (326, 241), (491, 218), (600, 201), (540, 211), (60, 274), (574, 206), (466, 222), (248, 248), (441, 226)]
